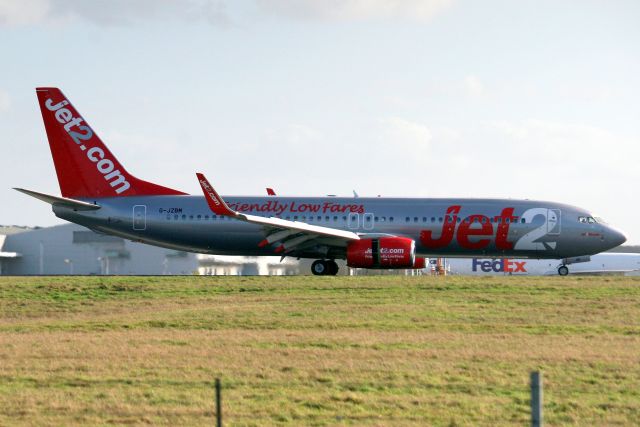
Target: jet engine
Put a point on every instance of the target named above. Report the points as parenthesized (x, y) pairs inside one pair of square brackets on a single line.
[(383, 252)]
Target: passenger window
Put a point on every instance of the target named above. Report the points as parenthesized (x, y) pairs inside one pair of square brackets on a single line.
[(184, 217), (390, 219), (169, 217), (199, 216), (433, 219), (176, 217), (335, 218), (440, 219), (523, 221), (415, 219)]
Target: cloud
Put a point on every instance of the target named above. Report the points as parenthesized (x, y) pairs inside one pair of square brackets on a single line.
[(473, 86), (573, 147), (294, 136), (26, 12), (355, 10), (110, 12), (5, 101), (403, 133), (14, 13)]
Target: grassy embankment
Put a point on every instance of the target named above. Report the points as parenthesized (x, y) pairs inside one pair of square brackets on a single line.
[(318, 351)]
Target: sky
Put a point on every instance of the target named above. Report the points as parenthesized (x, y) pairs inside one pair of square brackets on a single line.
[(432, 98)]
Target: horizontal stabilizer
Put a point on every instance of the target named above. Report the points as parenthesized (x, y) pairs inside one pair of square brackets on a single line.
[(60, 201)]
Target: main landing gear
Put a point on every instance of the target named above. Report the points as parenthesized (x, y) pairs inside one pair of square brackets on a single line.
[(324, 267), (563, 270)]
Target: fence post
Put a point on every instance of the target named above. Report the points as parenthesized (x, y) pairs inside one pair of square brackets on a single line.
[(218, 405), (536, 399)]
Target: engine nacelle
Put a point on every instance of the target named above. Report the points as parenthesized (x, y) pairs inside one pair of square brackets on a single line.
[(384, 252)]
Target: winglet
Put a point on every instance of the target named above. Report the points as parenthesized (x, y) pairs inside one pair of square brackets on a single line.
[(216, 203)]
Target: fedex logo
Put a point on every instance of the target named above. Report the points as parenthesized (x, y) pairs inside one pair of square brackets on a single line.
[(81, 136), (499, 266)]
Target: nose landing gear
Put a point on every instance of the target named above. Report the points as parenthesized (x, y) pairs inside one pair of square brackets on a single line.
[(324, 268), (563, 270)]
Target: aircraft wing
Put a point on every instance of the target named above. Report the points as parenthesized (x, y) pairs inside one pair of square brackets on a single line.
[(296, 232)]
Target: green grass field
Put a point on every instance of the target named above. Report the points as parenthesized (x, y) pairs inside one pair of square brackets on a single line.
[(318, 351)]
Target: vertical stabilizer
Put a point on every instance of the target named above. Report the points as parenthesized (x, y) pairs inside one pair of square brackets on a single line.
[(84, 165)]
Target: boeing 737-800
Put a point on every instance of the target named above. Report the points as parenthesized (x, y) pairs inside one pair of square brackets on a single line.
[(99, 193)]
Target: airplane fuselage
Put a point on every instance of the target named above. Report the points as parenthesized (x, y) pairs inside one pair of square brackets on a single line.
[(447, 227)]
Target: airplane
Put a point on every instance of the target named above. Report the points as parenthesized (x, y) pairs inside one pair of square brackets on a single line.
[(604, 263), (377, 233)]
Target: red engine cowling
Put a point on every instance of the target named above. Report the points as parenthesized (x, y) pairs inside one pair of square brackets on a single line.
[(385, 252), (420, 263)]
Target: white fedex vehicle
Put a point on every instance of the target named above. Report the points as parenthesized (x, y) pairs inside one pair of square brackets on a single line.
[(603, 263)]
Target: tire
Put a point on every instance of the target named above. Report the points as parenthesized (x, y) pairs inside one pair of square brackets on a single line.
[(319, 268), (563, 270), (333, 268)]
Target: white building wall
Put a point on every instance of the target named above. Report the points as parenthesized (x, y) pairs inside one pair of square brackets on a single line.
[(45, 250)]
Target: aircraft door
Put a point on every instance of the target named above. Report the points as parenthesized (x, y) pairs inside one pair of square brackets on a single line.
[(554, 222), (367, 221), (140, 217)]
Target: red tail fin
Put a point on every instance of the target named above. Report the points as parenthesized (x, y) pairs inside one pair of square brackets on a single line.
[(84, 165)]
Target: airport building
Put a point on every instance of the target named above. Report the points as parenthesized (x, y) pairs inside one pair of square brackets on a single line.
[(73, 249)]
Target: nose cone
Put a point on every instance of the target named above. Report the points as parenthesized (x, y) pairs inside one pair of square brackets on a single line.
[(615, 237)]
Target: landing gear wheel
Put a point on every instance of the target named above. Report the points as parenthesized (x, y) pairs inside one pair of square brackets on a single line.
[(332, 268), (324, 268), (319, 268), (563, 270)]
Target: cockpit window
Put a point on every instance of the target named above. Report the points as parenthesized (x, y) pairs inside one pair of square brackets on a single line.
[(599, 220), (587, 220)]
